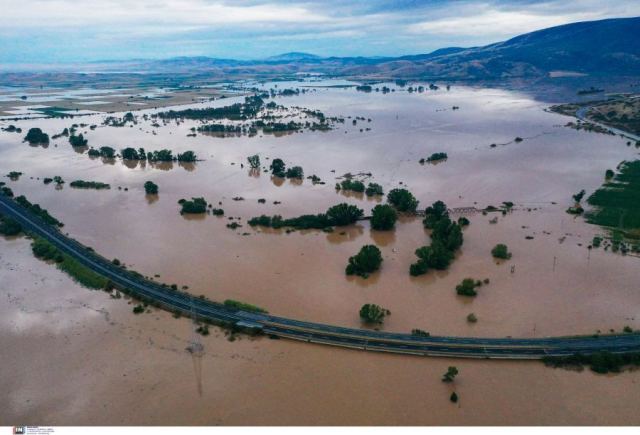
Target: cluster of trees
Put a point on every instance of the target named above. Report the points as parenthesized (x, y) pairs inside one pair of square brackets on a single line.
[(367, 261), (9, 227), (279, 169), (46, 251), (163, 155), (337, 215), (38, 211), (36, 136), (383, 217), (599, 362), (195, 205), (219, 128), (14, 175), (81, 184), (352, 185), (446, 238), (372, 313), (11, 129), (501, 251), (435, 157), (237, 111), (104, 152), (402, 200), (78, 141), (150, 188), (374, 189)]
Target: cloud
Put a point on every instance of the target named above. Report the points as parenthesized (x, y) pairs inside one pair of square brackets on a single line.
[(59, 13), (482, 20), (71, 30)]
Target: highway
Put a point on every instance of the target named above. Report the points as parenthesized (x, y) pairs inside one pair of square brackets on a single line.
[(363, 339)]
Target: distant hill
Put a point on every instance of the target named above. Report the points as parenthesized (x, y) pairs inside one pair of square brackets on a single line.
[(293, 56), (602, 49)]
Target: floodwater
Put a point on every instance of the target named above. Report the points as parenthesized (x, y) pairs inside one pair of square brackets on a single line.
[(102, 364)]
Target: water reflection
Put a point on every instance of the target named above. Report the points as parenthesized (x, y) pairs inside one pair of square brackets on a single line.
[(80, 150), (187, 166), (277, 181), (383, 238), (254, 172), (345, 234), (151, 198)]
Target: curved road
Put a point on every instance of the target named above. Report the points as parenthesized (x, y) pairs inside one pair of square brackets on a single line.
[(470, 347)]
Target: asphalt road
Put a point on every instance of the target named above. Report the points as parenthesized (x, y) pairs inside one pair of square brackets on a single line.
[(364, 339)]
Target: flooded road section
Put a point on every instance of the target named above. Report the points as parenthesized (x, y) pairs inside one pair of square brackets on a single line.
[(103, 365)]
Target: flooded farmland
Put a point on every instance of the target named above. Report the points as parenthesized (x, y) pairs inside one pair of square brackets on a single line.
[(553, 284)]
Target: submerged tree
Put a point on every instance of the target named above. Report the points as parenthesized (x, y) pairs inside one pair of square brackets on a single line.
[(372, 313), (150, 188), (383, 217), (402, 200), (366, 261)]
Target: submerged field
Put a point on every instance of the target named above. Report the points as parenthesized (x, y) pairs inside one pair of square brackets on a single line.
[(552, 285)]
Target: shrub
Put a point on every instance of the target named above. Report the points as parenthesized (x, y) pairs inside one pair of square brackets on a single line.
[(501, 251), (454, 397), (366, 261), (243, 306), (78, 141), (420, 333), (196, 205), (150, 188), (254, 161), (295, 172), (467, 287), (471, 318), (383, 217), (9, 227), (372, 313), (402, 200), (36, 136), (277, 168), (353, 185), (450, 375), (374, 189), (187, 156), (138, 309)]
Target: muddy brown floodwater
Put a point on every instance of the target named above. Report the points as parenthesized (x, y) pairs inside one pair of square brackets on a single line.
[(73, 356)]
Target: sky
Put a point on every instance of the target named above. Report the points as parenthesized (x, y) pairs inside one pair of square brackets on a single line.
[(69, 31)]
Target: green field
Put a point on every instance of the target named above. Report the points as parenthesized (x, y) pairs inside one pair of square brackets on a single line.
[(616, 204)]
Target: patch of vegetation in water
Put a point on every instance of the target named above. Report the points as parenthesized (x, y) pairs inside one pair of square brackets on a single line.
[(77, 271), (36, 136), (9, 227), (231, 303), (81, 184), (616, 204), (446, 239), (38, 211), (435, 158), (195, 205), (372, 313), (339, 215), (367, 261), (599, 362)]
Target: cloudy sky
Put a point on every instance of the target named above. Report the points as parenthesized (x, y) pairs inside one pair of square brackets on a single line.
[(51, 31)]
